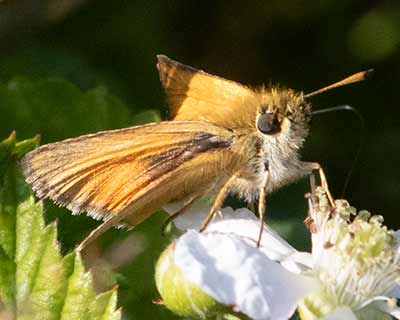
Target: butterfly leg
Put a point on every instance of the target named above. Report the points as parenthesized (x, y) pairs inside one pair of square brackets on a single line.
[(309, 221), (178, 213), (261, 205), (312, 183), (219, 200), (324, 182)]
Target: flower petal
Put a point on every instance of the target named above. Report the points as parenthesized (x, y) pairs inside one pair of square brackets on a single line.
[(298, 262), (395, 293), (193, 216), (238, 274), (247, 228), (342, 313), (243, 223), (395, 312), (396, 290), (388, 306)]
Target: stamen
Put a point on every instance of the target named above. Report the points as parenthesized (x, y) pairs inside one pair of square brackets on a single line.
[(362, 259)]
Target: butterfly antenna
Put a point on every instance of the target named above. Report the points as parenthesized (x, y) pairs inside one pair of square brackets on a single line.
[(360, 142), (359, 76)]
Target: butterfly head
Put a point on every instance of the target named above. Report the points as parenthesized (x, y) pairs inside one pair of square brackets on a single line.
[(283, 113)]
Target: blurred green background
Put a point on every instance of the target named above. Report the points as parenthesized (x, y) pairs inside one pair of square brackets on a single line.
[(69, 67)]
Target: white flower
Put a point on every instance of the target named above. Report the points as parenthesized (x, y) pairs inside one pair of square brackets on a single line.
[(353, 271), (356, 259)]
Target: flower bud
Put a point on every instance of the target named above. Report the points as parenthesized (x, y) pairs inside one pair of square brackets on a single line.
[(180, 296)]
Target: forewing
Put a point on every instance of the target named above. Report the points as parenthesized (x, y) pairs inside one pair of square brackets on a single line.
[(195, 95), (141, 167)]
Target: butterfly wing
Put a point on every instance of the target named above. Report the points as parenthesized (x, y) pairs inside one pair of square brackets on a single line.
[(196, 95), (134, 170)]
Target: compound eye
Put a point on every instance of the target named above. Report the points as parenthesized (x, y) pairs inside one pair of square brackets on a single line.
[(268, 123)]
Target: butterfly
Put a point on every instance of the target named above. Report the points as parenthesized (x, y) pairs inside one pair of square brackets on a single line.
[(221, 137)]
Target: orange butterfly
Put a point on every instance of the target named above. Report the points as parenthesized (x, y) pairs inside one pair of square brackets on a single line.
[(222, 138)]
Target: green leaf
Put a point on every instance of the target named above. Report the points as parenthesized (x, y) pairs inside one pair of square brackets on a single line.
[(36, 282), (104, 306), (146, 116), (58, 109)]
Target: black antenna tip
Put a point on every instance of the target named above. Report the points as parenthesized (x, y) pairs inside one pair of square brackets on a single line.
[(369, 74)]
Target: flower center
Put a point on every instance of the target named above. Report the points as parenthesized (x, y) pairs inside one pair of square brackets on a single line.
[(356, 257)]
